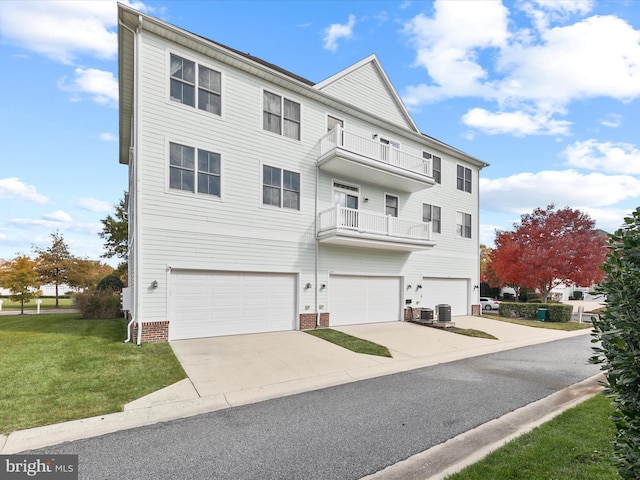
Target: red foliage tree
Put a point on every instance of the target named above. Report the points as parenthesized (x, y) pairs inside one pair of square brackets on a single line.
[(548, 248)]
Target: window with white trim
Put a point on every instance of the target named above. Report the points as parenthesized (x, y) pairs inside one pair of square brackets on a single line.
[(391, 205), (187, 174), (280, 115), (436, 165), (463, 224), (464, 179), (280, 188), (189, 80), (433, 214)]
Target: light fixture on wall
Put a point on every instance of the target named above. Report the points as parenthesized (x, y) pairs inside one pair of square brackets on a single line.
[(408, 287), (366, 200), (307, 286), (323, 286), (154, 284), (475, 287), (418, 287)]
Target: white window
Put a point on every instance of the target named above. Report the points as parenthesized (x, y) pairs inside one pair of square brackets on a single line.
[(463, 224), (391, 205), (464, 179), (188, 175), (433, 214), (280, 115), (280, 188), (186, 85), (437, 165)]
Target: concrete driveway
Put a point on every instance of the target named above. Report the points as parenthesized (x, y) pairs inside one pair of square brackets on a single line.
[(246, 368)]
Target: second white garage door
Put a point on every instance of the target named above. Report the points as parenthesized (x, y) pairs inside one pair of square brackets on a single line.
[(450, 291), (209, 304), (355, 299)]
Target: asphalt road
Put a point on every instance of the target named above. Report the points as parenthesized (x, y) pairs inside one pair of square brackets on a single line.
[(342, 432)]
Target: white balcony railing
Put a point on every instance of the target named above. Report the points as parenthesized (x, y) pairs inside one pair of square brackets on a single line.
[(361, 221), (374, 150)]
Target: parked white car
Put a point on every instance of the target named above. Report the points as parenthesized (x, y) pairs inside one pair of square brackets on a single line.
[(489, 303)]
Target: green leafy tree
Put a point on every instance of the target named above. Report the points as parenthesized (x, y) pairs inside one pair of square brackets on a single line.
[(617, 335), (21, 278), (54, 262), (115, 232), (85, 273)]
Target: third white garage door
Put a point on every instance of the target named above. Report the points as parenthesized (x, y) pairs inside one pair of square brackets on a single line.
[(450, 291), (208, 304), (355, 299)]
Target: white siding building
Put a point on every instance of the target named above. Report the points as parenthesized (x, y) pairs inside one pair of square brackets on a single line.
[(260, 201)]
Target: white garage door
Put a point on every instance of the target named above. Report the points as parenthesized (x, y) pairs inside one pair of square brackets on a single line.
[(450, 291), (208, 304), (360, 299)]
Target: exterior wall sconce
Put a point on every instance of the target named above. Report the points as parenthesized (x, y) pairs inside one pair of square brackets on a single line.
[(375, 136), (154, 284), (418, 287), (307, 286), (366, 200), (408, 287), (475, 287), (323, 286)]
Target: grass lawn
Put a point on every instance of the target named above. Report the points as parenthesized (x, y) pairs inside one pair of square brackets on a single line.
[(566, 326), (576, 445), (470, 332), (350, 342), (56, 367), (47, 302)]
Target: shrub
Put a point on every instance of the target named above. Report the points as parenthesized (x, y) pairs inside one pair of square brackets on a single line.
[(557, 312), (617, 330), (98, 304), (110, 282)]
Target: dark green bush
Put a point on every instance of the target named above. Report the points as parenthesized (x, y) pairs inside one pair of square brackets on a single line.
[(557, 311), (98, 305), (110, 282), (617, 342)]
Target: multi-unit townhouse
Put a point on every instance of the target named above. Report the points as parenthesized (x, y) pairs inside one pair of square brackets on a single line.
[(261, 201)]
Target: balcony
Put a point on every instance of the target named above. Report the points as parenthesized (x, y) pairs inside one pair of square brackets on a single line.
[(351, 155), (360, 228)]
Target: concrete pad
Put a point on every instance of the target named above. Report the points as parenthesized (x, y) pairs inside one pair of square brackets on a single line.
[(182, 390)]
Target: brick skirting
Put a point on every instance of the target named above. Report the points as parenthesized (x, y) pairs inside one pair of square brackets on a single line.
[(308, 320), (152, 332)]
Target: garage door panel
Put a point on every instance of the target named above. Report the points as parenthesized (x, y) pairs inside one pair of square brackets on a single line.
[(450, 291), (227, 303), (364, 299)]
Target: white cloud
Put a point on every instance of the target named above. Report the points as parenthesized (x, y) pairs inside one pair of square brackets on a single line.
[(108, 137), (49, 224), (94, 205), (606, 157), (517, 123), (337, 31), (523, 192), (612, 120), (58, 216), (100, 84), (14, 188)]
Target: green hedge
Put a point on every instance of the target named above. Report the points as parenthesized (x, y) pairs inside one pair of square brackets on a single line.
[(557, 311)]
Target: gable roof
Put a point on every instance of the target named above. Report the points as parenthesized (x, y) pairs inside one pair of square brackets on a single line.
[(378, 95)]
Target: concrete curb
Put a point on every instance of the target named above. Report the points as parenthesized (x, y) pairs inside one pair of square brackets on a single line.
[(470, 447)]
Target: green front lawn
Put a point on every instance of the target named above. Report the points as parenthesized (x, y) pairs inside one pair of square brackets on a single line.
[(576, 445), (565, 326), (56, 367), (47, 302)]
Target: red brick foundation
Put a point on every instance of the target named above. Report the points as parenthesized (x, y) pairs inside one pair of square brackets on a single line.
[(475, 309), (152, 332), (308, 320)]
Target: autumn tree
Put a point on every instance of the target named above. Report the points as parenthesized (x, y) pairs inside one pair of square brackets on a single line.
[(115, 232), (84, 273), (54, 262), (550, 247), (20, 277)]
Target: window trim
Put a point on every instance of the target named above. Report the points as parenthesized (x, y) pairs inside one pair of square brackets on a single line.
[(282, 99), (464, 179), (280, 207), (430, 156), (431, 207), (197, 63), (189, 193), (464, 225), (391, 195)]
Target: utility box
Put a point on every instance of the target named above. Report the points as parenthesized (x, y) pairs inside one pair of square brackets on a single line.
[(426, 314), (444, 312), (543, 314)]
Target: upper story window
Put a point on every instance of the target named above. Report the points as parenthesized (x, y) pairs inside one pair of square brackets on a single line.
[(437, 165), (464, 179), (463, 224), (190, 80), (391, 205), (280, 188), (433, 214), (186, 174), (280, 115)]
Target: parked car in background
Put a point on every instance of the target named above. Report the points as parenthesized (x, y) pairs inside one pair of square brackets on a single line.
[(489, 303)]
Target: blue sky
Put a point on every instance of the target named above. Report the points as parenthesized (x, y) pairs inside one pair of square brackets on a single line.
[(544, 91)]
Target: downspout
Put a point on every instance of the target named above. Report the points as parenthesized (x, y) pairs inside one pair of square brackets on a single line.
[(317, 245), (128, 339)]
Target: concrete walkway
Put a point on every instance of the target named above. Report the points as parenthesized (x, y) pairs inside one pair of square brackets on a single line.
[(237, 370)]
